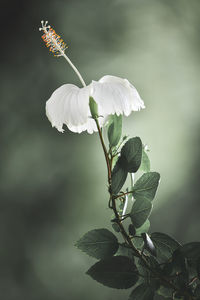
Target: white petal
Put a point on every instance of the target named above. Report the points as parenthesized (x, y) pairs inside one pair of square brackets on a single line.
[(68, 105), (115, 95), (90, 126)]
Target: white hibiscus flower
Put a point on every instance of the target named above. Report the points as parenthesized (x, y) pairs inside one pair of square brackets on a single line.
[(69, 104)]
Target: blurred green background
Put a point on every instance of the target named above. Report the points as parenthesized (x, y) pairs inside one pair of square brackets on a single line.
[(53, 185)]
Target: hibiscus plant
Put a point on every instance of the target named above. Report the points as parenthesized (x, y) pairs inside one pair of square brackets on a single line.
[(128, 257)]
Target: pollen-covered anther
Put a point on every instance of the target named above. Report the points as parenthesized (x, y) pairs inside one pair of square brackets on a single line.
[(52, 40)]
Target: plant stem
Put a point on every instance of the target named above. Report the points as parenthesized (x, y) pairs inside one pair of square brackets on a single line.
[(105, 152)]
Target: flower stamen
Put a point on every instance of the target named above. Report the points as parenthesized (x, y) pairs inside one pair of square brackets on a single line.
[(52, 40), (56, 45)]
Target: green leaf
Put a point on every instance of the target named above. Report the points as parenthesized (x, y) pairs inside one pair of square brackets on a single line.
[(138, 242), (140, 212), (117, 272), (154, 264), (146, 186), (125, 250), (115, 130), (142, 292), (131, 155), (118, 178), (98, 243), (144, 228), (145, 162), (191, 251), (197, 291), (116, 227), (131, 230), (143, 271), (179, 264), (165, 245)]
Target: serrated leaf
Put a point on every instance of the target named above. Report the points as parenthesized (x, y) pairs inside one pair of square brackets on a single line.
[(144, 228), (145, 162), (115, 130), (165, 245), (98, 243), (117, 272), (140, 212), (142, 292), (146, 186), (118, 178), (131, 155)]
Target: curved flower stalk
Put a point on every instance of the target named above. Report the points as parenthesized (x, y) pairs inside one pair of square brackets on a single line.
[(69, 104)]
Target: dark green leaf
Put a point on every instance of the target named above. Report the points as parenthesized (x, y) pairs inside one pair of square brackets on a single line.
[(179, 268), (116, 227), (125, 250), (191, 251), (146, 186), (144, 273), (179, 264), (115, 130), (138, 242), (152, 261), (197, 291), (118, 178), (117, 272), (148, 244), (145, 163), (142, 292), (98, 243), (140, 212), (131, 229), (131, 155), (165, 245)]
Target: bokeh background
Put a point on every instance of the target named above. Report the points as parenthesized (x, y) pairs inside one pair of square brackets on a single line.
[(53, 185)]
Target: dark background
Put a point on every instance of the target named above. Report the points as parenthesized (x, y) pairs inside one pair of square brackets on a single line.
[(53, 185)]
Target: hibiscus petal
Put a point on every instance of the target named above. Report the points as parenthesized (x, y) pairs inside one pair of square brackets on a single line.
[(90, 126), (68, 105), (115, 95)]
